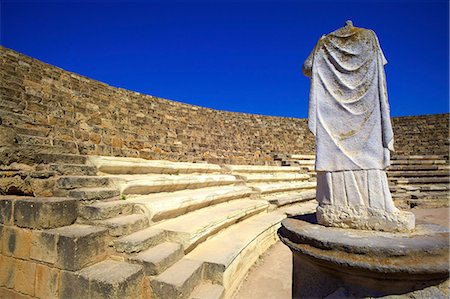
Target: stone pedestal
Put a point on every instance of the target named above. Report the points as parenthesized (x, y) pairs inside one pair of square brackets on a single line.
[(337, 262)]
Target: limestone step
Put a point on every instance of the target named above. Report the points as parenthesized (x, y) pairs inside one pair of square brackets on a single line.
[(305, 162), (208, 290), (431, 195), (157, 259), (106, 279), (303, 157), (416, 157), (192, 228), (73, 169), (72, 182), (70, 247), (228, 255), (433, 173), (140, 240), (274, 177), (178, 281), (418, 162), (412, 167), (93, 193), (308, 207), (124, 224), (153, 183), (420, 180), (417, 187), (286, 199), (282, 187), (257, 168), (167, 205), (105, 210), (37, 212), (48, 158), (122, 165)]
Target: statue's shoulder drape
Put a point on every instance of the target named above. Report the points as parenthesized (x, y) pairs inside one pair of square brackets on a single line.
[(348, 107)]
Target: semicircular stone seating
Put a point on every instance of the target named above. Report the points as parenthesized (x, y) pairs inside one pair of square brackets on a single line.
[(162, 229), (180, 230)]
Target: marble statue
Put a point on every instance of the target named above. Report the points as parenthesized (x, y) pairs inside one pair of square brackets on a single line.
[(349, 116)]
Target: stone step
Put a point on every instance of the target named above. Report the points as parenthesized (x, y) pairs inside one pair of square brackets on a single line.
[(258, 168), (72, 182), (94, 193), (37, 212), (157, 259), (412, 167), (286, 199), (308, 168), (140, 240), (105, 210), (417, 187), (307, 207), (303, 157), (49, 158), (192, 228), (106, 279), (282, 187), (178, 281), (206, 290), (172, 204), (420, 180), (124, 224), (70, 247), (433, 173), (228, 256), (416, 157), (73, 169), (153, 183), (305, 162), (418, 162), (122, 165), (274, 177)]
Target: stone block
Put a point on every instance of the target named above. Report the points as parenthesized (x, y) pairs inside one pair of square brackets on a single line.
[(24, 277), (42, 213), (79, 245), (47, 282), (16, 242), (11, 294), (107, 279), (114, 280), (7, 272), (6, 211), (43, 247), (73, 286)]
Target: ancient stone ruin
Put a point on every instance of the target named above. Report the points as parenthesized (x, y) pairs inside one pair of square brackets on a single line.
[(108, 193), (358, 244)]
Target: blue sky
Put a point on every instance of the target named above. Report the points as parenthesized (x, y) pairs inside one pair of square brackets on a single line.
[(242, 56)]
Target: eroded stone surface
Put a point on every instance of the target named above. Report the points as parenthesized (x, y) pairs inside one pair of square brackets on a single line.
[(365, 218)]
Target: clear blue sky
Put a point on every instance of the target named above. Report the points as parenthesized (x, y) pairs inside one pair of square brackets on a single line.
[(243, 56)]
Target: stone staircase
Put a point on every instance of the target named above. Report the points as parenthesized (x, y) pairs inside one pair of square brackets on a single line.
[(415, 180), (420, 180), (133, 228), (157, 229)]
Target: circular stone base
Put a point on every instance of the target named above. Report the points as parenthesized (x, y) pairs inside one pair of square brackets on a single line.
[(366, 263)]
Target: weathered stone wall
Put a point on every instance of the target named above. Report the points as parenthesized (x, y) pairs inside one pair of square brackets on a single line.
[(45, 108)]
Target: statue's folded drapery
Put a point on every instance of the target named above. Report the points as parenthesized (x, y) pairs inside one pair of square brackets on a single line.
[(348, 109)]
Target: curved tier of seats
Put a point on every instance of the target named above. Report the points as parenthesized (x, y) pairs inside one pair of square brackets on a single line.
[(183, 230)]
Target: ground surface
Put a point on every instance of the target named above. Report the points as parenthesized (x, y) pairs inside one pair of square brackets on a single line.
[(270, 277)]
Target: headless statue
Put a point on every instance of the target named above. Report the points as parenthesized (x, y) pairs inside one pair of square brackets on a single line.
[(349, 116)]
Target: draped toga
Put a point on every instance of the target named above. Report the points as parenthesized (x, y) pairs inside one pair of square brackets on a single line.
[(348, 106)]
